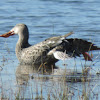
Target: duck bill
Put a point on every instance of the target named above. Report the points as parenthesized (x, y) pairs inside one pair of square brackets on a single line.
[(7, 34)]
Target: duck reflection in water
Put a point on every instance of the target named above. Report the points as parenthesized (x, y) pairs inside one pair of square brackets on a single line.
[(26, 72)]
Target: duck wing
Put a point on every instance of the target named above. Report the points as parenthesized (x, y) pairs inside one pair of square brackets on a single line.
[(39, 52), (73, 47)]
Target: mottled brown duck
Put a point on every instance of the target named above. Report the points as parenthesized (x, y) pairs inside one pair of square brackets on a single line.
[(50, 50)]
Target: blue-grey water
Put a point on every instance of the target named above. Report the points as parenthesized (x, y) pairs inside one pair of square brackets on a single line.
[(46, 18)]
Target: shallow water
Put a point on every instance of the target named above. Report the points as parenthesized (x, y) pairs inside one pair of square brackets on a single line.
[(46, 18)]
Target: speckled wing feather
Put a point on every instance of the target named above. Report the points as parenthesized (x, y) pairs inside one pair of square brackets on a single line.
[(39, 53)]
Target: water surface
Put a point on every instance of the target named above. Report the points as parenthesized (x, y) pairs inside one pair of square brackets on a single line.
[(46, 18)]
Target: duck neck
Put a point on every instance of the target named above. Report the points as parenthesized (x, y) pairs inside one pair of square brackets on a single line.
[(22, 42)]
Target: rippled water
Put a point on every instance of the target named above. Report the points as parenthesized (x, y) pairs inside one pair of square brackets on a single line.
[(46, 18)]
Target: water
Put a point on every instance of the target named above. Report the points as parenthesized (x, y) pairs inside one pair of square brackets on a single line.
[(44, 19)]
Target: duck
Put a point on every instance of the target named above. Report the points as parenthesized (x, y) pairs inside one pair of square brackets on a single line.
[(51, 49)]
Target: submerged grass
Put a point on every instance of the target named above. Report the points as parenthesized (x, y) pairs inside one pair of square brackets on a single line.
[(61, 88)]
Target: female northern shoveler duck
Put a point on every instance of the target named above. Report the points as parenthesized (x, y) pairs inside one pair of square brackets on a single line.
[(50, 50)]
